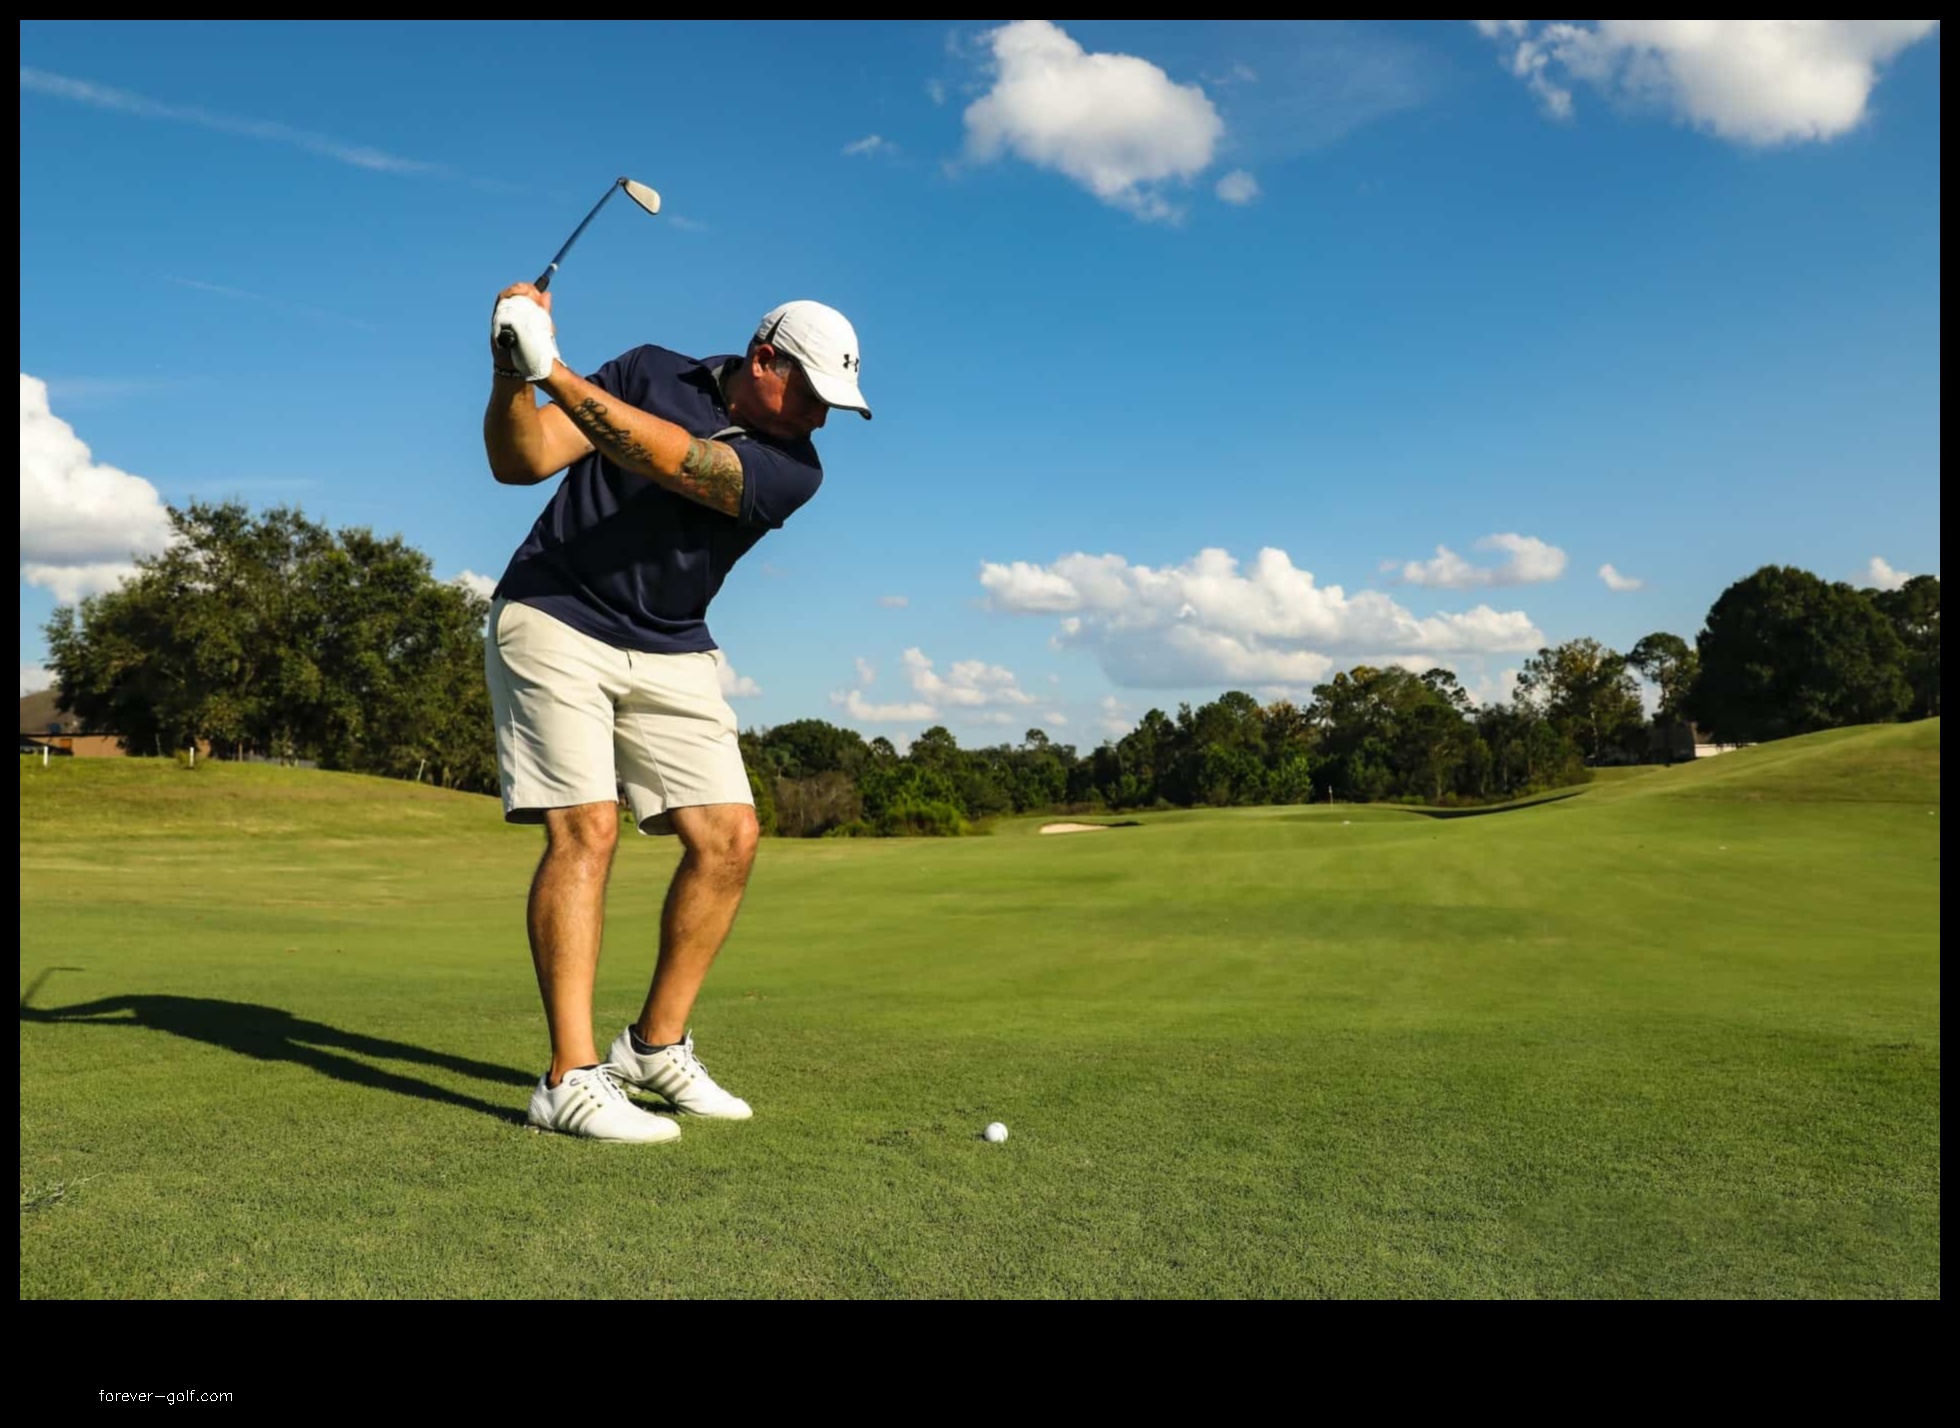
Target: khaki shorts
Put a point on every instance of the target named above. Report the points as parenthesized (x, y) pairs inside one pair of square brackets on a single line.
[(578, 720)]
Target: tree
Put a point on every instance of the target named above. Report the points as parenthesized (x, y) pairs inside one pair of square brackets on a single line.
[(1384, 733), (1670, 663), (762, 781), (1587, 693), (1914, 610), (910, 798), (1144, 758), (1287, 727), (270, 634), (810, 807), (1291, 780), (804, 748), (1785, 653), (1432, 741), (208, 640), (399, 659), (936, 748)]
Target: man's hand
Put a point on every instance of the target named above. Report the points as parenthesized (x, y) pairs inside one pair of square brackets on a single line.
[(521, 340)]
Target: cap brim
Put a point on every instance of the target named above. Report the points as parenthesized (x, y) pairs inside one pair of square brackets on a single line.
[(838, 391)]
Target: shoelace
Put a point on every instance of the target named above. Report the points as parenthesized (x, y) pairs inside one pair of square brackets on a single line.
[(601, 1083), (691, 1061)]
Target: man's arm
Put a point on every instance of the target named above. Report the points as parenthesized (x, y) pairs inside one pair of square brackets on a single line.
[(527, 443), (702, 470)]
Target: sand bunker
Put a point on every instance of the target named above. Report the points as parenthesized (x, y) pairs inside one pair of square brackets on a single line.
[(1075, 827)]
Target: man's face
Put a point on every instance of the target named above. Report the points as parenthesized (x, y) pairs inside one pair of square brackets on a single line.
[(789, 407)]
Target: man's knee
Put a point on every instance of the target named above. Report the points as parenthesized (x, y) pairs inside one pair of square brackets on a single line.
[(724, 839), (587, 833), (747, 838)]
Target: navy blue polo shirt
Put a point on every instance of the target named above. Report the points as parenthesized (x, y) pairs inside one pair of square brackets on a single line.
[(619, 557)]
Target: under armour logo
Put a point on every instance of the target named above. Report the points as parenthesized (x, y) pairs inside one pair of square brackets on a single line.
[(850, 362)]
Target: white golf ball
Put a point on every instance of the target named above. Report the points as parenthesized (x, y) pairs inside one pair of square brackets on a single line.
[(995, 1132)]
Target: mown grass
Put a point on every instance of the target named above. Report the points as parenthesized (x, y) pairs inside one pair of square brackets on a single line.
[(1678, 1036)]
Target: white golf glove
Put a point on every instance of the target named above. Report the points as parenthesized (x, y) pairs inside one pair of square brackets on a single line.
[(528, 349)]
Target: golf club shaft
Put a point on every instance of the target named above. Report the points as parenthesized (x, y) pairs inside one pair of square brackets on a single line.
[(508, 339), (544, 278)]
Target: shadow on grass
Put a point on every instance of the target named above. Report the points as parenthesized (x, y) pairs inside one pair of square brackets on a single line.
[(269, 1034), (1485, 812)]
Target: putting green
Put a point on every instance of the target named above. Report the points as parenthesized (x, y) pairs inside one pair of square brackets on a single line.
[(1678, 1036)]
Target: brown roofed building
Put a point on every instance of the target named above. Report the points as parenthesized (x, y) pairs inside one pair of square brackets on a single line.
[(45, 724)]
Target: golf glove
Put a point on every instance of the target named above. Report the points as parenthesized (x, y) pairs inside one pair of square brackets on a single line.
[(528, 350)]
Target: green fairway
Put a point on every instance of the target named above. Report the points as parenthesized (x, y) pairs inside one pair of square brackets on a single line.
[(1676, 1036)]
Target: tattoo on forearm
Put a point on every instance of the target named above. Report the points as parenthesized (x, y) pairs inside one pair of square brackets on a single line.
[(711, 473), (592, 418)]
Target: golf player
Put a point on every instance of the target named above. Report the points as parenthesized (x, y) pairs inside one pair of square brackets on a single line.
[(603, 674)]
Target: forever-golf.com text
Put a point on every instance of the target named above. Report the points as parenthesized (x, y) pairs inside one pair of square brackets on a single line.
[(169, 1398)]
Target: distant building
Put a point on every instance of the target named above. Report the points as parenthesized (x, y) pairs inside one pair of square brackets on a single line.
[(45, 724), (41, 714), (1682, 742), (81, 746)]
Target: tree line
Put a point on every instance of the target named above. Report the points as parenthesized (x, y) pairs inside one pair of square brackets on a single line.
[(270, 635)]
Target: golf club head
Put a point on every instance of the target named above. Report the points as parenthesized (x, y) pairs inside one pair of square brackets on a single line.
[(641, 194)]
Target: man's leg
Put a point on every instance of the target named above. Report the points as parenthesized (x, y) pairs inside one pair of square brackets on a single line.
[(567, 916), (720, 842)]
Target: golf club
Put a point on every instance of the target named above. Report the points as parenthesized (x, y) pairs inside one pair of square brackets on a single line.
[(638, 192)]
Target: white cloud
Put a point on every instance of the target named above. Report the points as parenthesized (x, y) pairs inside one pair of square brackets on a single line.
[(733, 685), (122, 101), (1237, 73), (1499, 689), (1532, 562), (972, 690), (970, 684), (1880, 574), (1616, 581), (69, 583), (1238, 187), (1115, 124), (1751, 81), (936, 90), (319, 314), (1055, 717), (484, 585), (1207, 622), (871, 144), (81, 522), (1115, 718), (858, 707), (34, 678), (894, 602)]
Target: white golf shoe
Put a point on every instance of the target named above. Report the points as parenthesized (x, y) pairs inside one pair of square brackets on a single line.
[(676, 1073), (588, 1102)]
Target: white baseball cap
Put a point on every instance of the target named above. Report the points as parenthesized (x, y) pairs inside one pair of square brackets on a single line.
[(823, 340)]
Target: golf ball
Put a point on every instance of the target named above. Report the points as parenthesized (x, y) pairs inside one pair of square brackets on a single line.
[(995, 1132)]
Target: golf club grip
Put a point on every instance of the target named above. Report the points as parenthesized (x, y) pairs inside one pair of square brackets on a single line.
[(507, 339)]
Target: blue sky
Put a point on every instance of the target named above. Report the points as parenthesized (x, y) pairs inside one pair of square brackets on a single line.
[(1190, 344)]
